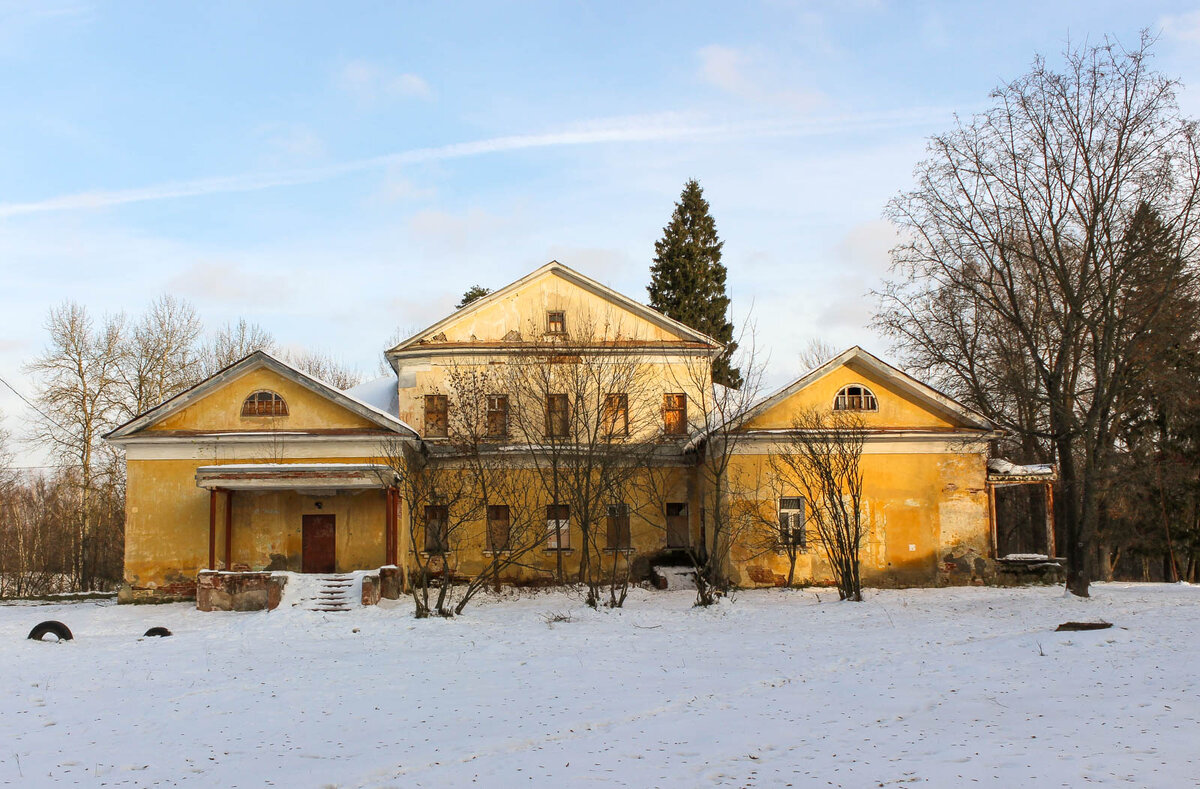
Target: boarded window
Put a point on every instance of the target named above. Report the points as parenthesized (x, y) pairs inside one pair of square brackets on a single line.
[(264, 403), (437, 524), (677, 525), (618, 528), (556, 322), (558, 527), (436, 409), (855, 398), (616, 414), (791, 521), (556, 415), (498, 527), (675, 414), (497, 416)]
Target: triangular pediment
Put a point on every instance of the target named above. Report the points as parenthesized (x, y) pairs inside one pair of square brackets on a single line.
[(520, 312), (215, 405), (902, 402)]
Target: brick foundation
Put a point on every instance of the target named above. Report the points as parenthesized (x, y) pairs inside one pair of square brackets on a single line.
[(245, 591)]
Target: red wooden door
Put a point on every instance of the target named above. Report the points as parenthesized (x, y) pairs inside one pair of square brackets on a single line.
[(317, 550)]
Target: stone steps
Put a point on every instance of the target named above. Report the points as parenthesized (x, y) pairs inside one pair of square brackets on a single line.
[(335, 594)]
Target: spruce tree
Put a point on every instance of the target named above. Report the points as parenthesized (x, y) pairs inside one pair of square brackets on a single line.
[(474, 292), (687, 280)]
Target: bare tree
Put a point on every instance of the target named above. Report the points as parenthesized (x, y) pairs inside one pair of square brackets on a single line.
[(235, 341), (161, 356), (816, 352), (713, 443), (820, 456), (79, 395), (1020, 258), (327, 367), (586, 409)]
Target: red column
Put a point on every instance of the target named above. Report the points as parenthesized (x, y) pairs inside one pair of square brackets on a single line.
[(212, 528), (390, 525), (228, 530)]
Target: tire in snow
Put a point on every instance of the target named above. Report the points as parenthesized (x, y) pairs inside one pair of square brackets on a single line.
[(50, 626), (157, 631)]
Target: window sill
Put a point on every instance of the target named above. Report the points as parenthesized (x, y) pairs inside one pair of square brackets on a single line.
[(497, 553), (618, 550), (559, 550)]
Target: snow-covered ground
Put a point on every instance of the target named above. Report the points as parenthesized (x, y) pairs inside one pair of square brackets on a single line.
[(934, 687)]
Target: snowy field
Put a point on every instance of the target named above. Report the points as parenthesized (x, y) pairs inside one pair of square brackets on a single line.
[(944, 687)]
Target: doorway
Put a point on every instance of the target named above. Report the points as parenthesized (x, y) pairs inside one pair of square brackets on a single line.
[(318, 553)]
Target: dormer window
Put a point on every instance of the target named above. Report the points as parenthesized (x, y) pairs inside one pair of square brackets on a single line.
[(855, 397), (264, 403), (556, 322)]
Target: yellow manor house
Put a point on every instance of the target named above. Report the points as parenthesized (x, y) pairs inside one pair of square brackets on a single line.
[(549, 429)]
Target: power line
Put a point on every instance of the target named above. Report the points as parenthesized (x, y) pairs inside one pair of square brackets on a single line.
[(27, 402)]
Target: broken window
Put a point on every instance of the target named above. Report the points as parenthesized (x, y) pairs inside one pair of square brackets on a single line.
[(436, 410), (556, 415), (855, 397), (618, 528), (616, 414), (264, 403), (437, 522), (497, 416), (675, 414), (558, 527), (791, 521), (677, 525), (556, 322), (498, 526)]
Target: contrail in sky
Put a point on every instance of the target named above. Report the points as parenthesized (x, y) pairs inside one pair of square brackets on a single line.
[(655, 128)]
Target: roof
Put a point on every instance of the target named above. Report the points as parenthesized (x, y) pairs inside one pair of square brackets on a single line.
[(922, 392), (288, 476), (573, 276), (382, 393), (257, 360)]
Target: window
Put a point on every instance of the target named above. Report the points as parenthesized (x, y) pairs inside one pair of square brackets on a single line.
[(556, 415), (616, 414), (677, 525), (264, 403), (497, 527), (855, 398), (556, 322), (791, 522), (436, 409), (437, 524), (675, 414), (618, 528), (497, 416), (558, 527)]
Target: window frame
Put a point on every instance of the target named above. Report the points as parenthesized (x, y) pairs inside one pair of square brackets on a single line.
[(866, 399), (556, 317), (441, 534), (254, 402), (497, 410), (789, 507), (617, 525), (675, 406), (564, 412), (432, 429), (491, 517), (558, 528), (616, 417)]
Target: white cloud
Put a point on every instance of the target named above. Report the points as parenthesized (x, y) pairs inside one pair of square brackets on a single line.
[(667, 127), (744, 76), (230, 283), (291, 142), (370, 83), (1182, 27), (445, 232)]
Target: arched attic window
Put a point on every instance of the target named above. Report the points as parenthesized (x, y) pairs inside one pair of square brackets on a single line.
[(264, 403), (855, 397)]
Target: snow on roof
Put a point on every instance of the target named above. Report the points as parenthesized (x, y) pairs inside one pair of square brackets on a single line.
[(1009, 469), (382, 394)]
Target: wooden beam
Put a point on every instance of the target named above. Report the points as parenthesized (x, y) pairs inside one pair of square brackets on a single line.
[(389, 525), (212, 529), (228, 530), (1051, 549), (992, 520)]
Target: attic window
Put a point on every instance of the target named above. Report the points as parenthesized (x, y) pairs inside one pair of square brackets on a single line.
[(556, 322), (855, 397), (264, 403)]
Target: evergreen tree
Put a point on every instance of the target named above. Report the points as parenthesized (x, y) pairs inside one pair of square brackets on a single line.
[(474, 292), (687, 280)]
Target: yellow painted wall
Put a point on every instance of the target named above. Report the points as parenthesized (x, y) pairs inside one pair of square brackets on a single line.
[(221, 409), (897, 409)]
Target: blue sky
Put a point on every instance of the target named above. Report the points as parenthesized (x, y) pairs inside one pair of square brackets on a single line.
[(336, 172)]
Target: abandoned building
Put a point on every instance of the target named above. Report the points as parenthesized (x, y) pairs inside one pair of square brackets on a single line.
[(264, 468)]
